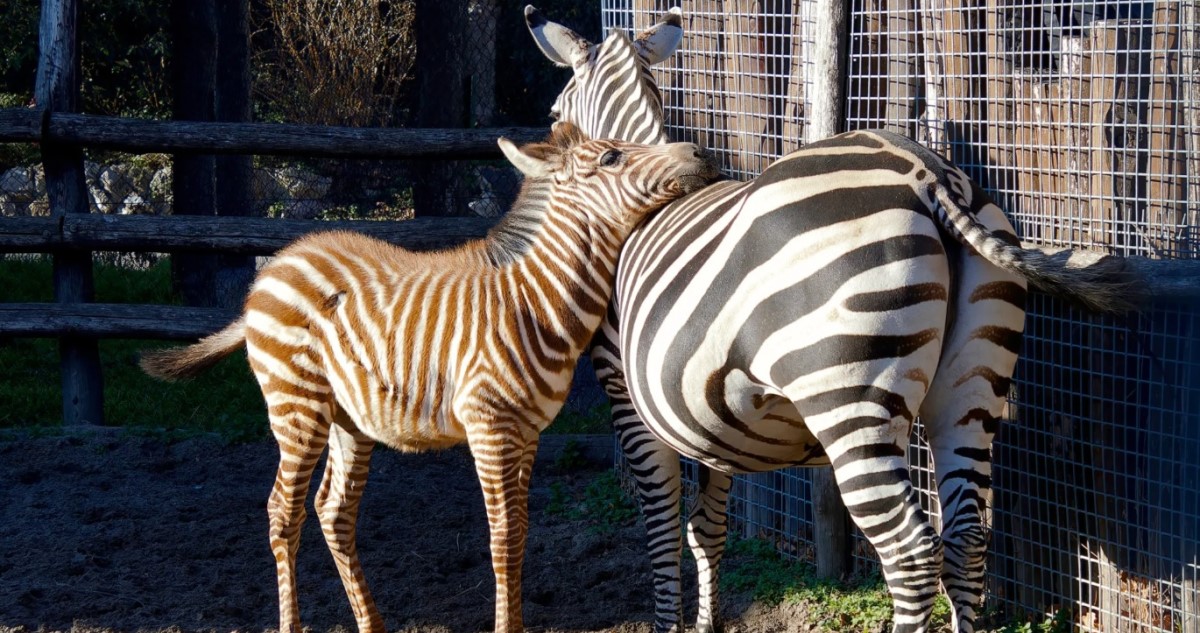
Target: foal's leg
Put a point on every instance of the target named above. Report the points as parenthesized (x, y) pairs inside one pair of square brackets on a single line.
[(301, 433), (300, 407), (504, 456), (337, 507)]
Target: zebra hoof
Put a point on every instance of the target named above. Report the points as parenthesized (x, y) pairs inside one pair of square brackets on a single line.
[(710, 627)]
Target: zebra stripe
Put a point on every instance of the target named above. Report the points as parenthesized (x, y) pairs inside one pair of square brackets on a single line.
[(355, 341), (808, 317)]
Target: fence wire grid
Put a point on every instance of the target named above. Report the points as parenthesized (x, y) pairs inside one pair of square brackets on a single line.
[(1082, 120)]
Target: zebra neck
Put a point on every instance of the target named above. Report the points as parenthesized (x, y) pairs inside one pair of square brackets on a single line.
[(565, 278), (512, 237)]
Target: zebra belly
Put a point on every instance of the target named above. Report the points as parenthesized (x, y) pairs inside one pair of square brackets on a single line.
[(406, 413)]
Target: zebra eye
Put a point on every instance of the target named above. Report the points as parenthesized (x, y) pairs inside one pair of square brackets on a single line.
[(610, 158)]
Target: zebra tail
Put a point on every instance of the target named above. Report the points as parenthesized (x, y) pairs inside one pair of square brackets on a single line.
[(183, 363), (1095, 281)]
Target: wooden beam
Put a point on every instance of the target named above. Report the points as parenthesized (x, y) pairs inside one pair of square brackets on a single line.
[(832, 529), (57, 90), (229, 234), (208, 137), (111, 320), (829, 70)]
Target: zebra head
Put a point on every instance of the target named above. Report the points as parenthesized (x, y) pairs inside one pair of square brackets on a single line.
[(612, 93), (615, 182)]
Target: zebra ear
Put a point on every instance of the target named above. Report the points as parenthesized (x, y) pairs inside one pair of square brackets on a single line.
[(560, 44), (658, 42), (528, 160), (565, 134)]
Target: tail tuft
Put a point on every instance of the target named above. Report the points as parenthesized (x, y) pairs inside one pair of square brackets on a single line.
[(185, 363), (1094, 281)]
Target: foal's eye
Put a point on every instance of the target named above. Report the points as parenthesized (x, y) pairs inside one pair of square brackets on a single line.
[(610, 158)]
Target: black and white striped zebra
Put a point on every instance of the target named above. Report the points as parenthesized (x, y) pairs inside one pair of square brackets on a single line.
[(806, 318)]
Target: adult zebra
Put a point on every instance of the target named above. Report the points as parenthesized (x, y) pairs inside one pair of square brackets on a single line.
[(355, 341), (805, 318)]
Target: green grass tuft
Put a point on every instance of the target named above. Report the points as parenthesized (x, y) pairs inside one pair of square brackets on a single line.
[(604, 504), (753, 566)]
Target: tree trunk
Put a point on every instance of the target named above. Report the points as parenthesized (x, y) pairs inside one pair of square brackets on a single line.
[(194, 33)]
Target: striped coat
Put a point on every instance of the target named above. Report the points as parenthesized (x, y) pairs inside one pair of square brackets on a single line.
[(806, 318), (354, 341)]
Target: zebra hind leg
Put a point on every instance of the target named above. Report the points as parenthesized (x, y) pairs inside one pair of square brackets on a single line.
[(962, 411), (706, 532), (337, 503), (885, 506), (869, 458), (301, 434)]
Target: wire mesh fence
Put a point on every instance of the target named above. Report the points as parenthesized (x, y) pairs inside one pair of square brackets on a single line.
[(1080, 119)]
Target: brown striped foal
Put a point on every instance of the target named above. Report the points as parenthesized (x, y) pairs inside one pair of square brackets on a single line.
[(355, 341)]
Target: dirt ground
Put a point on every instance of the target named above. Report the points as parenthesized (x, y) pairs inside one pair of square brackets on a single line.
[(110, 533)]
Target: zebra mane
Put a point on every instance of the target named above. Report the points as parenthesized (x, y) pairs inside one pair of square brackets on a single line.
[(513, 236)]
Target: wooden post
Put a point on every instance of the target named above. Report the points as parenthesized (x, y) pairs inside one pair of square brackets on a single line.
[(831, 522), (193, 77), (233, 193), (58, 90), (1166, 206), (903, 55)]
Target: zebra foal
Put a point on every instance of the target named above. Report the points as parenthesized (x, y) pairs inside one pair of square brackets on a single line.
[(355, 341), (805, 318)]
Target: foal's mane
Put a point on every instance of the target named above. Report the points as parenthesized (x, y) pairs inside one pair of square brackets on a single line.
[(514, 234)]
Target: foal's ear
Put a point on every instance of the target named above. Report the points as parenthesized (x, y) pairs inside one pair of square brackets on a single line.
[(535, 160), (566, 135), (657, 43), (560, 44)]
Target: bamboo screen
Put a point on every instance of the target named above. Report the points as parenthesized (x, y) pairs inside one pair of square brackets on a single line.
[(1082, 119)]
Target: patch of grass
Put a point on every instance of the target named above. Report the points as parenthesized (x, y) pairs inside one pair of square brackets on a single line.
[(603, 503), (1059, 622), (577, 421), (863, 604), (225, 400)]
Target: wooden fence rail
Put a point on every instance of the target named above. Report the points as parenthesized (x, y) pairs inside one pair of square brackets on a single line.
[(227, 234), (208, 137)]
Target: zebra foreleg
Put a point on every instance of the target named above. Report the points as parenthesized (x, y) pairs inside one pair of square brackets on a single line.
[(337, 507), (504, 455), (656, 474), (706, 533)]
